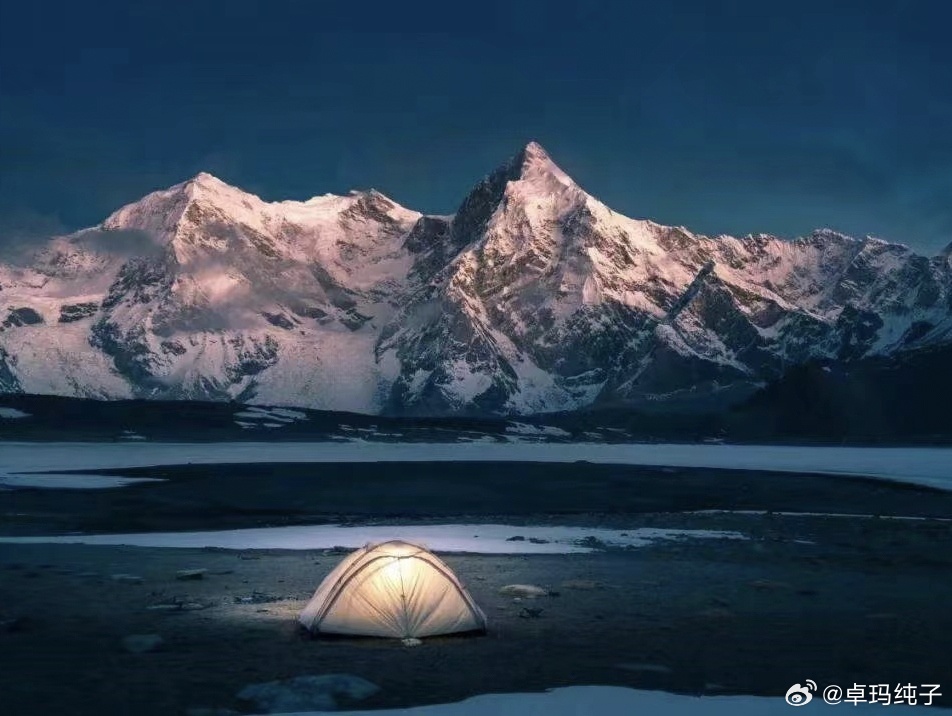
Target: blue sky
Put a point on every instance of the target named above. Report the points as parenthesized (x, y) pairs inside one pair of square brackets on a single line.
[(722, 116)]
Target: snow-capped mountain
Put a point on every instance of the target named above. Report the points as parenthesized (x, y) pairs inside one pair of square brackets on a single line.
[(533, 297)]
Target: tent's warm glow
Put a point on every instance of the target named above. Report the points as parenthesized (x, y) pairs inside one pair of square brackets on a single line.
[(393, 572), (395, 589)]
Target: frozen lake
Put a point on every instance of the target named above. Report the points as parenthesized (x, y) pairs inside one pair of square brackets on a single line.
[(923, 466), (473, 538)]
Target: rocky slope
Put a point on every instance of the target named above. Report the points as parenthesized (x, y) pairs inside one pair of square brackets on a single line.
[(533, 297)]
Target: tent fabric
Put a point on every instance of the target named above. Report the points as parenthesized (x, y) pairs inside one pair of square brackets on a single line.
[(392, 589)]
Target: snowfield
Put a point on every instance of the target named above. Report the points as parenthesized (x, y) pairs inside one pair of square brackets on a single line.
[(619, 701), (476, 539), (931, 467)]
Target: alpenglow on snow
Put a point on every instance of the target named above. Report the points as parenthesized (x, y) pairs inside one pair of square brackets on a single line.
[(534, 296)]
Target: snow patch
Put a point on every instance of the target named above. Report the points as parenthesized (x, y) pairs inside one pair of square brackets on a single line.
[(477, 539), (255, 417), (71, 482), (12, 414), (621, 701), (540, 430)]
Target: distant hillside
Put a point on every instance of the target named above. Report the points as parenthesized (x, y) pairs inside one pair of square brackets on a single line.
[(889, 399), (872, 401)]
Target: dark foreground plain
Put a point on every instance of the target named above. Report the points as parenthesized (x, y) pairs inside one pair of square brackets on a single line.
[(837, 600)]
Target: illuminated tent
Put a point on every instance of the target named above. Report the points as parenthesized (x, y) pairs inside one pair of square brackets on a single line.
[(392, 589)]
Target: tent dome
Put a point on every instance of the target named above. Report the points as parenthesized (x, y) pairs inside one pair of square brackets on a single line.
[(392, 589)]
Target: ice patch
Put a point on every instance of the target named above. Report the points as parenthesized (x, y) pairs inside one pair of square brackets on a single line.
[(71, 482), (620, 701), (923, 466), (12, 413), (282, 415), (477, 539)]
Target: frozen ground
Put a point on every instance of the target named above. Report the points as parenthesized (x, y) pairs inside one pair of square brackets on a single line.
[(619, 701), (711, 617), (477, 539), (923, 466)]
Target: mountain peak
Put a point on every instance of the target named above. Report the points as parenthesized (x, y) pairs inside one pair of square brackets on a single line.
[(160, 212), (533, 162), (529, 173), (535, 151), (205, 183), (204, 178)]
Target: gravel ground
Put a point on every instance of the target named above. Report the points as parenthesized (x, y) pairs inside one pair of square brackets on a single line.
[(836, 600)]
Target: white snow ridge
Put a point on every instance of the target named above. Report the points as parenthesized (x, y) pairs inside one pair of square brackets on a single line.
[(533, 297)]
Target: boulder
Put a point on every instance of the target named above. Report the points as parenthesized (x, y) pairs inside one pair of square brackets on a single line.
[(523, 590)]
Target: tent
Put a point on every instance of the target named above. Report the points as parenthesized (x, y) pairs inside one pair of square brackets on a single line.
[(392, 589)]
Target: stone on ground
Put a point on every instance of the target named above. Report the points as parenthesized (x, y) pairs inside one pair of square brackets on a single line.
[(523, 590), (127, 578), (581, 584), (141, 643), (307, 693)]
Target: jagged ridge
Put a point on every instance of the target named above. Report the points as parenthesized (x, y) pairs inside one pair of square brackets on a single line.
[(533, 297)]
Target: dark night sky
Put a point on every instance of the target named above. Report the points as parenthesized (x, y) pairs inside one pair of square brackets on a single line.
[(722, 116)]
